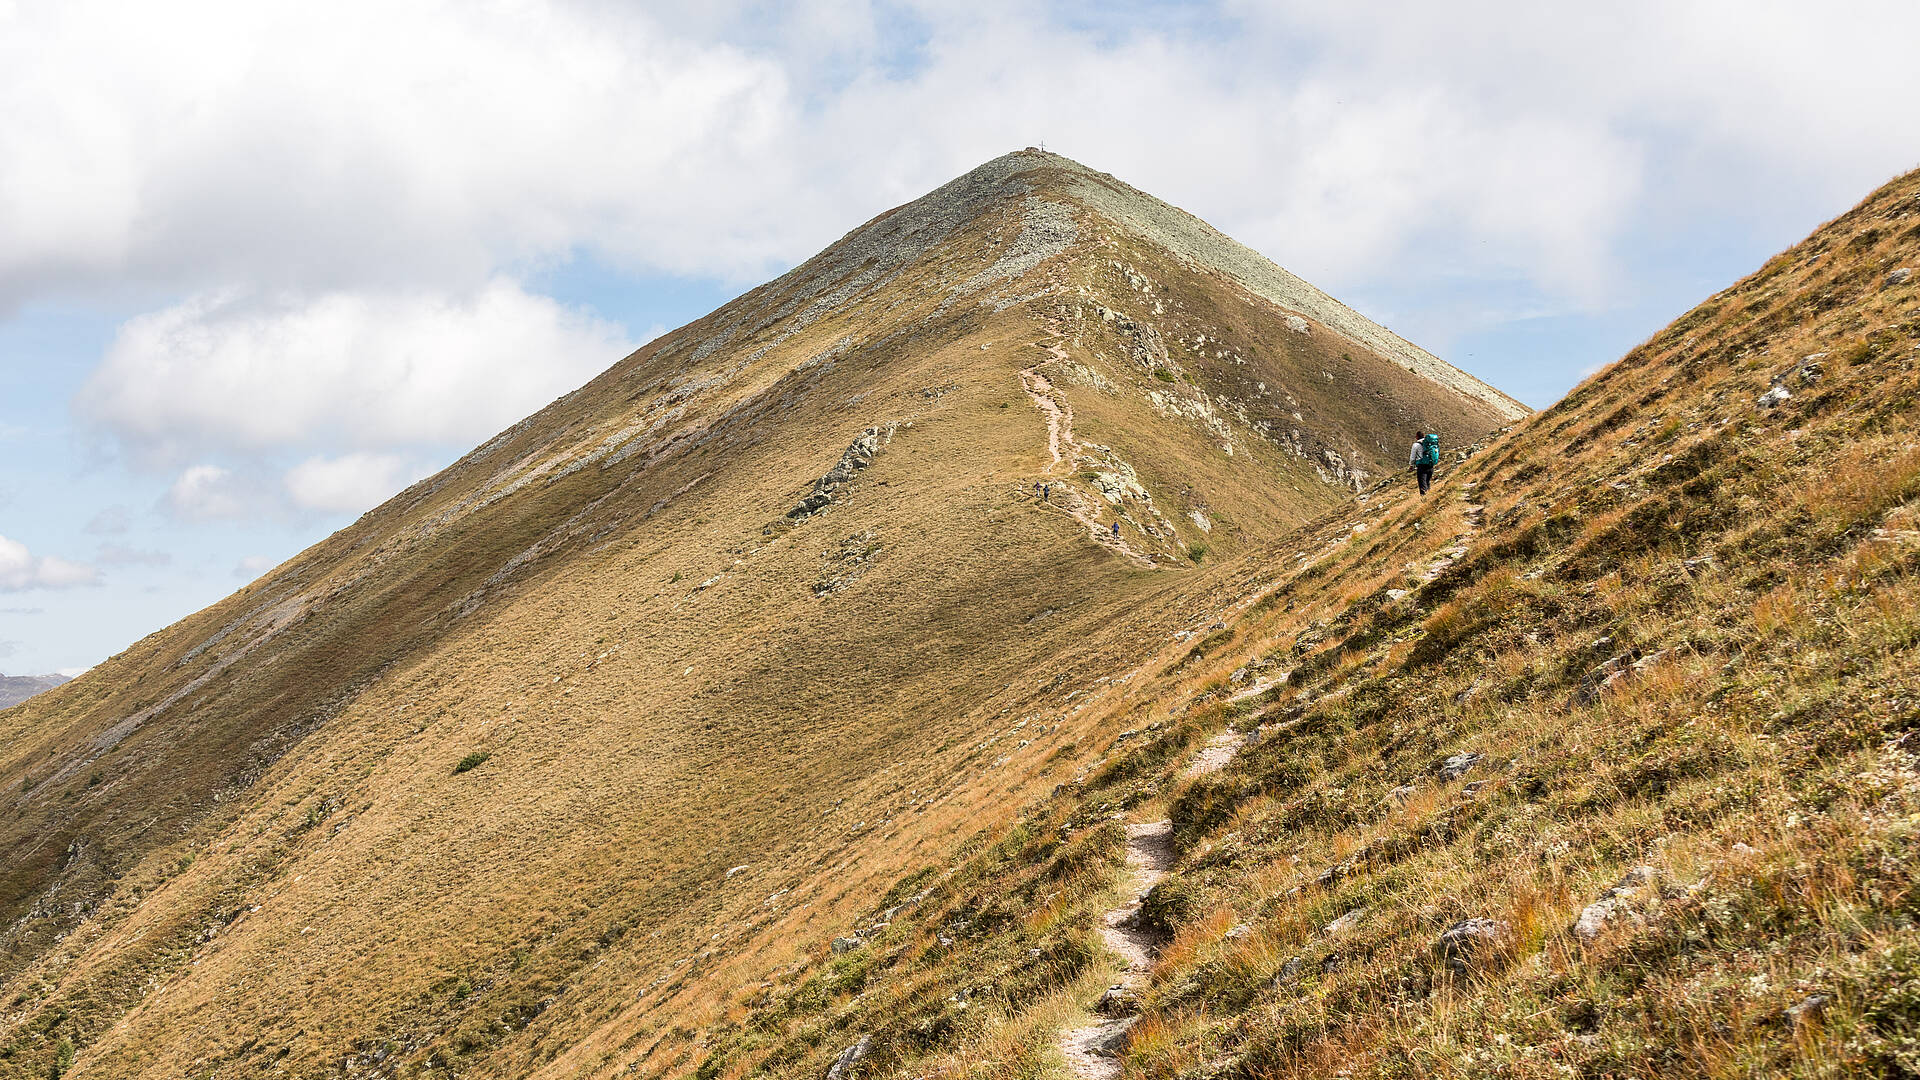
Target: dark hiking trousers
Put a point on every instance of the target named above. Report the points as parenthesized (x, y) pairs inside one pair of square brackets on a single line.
[(1425, 473)]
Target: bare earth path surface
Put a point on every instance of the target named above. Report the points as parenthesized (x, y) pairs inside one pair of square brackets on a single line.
[(1092, 1051), (1061, 447)]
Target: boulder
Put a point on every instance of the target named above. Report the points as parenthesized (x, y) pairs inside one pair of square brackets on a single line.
[(843, 1065), (1299, 325), (1594, 919), (845, 944), (1899, 276), (809, 505), (1458, 765), (1613, 904), (1774, 398), (1810, 1009), (1469, 939)]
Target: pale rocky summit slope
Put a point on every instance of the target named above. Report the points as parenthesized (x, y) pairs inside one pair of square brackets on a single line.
[(531, 769)]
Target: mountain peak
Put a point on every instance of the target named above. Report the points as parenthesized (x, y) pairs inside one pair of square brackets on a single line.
[(811, 585), (1054, 191)]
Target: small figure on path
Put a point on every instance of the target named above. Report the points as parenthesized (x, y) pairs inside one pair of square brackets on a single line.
[(1046, 493), (1116, 530), (1425, 455)]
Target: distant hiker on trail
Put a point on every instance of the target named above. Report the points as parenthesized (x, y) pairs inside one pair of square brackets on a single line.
[(1116, 530), (1046, 493), (1036, 487), (1426, 454)]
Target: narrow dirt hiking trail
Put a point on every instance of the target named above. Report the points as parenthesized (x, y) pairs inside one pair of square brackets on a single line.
[(1443, 560), (1092, 1051), (1062, 450), (1059, 415)]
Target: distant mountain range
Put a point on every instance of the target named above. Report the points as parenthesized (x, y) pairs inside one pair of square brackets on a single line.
[(15, 689)]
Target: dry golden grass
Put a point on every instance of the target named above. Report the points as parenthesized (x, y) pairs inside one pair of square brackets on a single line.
[(1686, 645), (700, 740)]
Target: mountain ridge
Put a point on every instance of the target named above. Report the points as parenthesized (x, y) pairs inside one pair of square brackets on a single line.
[(443, 790)]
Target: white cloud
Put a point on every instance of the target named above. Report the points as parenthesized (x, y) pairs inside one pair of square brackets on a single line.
[(208, 493), (351, 483), (113, 521), (20, 569), (322, 149), (252, 566), (344, 370), (369, 141), (122, 555)]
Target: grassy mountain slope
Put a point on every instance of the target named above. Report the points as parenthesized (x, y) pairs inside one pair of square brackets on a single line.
[(520, 773), (1597, 762)]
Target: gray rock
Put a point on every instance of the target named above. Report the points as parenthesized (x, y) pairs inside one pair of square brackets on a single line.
[(1599, 680), (1118, 1001), (1240, 930), (1458, 765), (1288, 972), (846, 944), (1298, 325), (1612, 905), (1594, 919), (810, 505), (1638, 876), (1112, 1039), (1810, 1009), (1344, 923), (1467, 939), (858, 455), (843, 1065), (1774, 398), (1899, 276)]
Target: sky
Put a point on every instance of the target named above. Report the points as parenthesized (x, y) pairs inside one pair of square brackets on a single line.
[(263, 264)]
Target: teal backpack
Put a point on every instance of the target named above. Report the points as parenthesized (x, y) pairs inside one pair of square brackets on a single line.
[(1431, 456)]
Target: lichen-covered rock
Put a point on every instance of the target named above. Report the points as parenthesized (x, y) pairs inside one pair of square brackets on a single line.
[(1468, 940), (1614, 905), (843, 1065)]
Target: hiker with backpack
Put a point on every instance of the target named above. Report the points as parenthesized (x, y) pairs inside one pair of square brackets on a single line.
[(1426, 454)]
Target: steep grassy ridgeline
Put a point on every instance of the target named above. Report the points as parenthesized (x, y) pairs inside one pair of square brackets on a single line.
[(530, 770), (1600, 761)]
